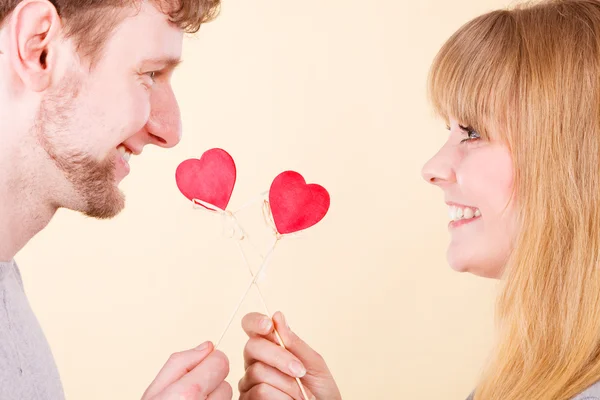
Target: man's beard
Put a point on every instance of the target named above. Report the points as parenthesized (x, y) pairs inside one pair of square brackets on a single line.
[(92, 180)]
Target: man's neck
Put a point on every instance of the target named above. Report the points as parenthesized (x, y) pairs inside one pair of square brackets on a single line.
[(24, 209)]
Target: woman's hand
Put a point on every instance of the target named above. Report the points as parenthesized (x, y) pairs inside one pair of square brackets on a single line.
[(271, 370)]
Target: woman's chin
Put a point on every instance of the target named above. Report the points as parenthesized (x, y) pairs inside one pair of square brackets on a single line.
[(461, 261)]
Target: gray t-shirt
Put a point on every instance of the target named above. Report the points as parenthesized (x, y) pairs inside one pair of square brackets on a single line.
[(27, 367), (591, 393)]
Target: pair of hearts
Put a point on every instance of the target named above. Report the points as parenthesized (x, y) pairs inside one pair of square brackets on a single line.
[(295, 205)]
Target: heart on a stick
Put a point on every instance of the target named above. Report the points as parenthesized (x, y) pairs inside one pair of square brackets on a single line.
[(210, 178), (296, 205)]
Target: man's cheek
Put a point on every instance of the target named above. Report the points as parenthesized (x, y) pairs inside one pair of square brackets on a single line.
[(133, 115)]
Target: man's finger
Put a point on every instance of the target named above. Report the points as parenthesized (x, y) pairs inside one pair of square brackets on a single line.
[(223, 392), (202, 380), (176, 367)]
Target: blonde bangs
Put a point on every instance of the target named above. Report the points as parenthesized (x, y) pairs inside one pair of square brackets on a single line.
[(474, 76)]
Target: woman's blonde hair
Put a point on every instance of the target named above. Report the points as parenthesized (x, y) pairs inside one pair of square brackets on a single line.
[(529, 77)]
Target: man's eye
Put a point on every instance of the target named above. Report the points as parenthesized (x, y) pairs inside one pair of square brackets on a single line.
[(153, 75)]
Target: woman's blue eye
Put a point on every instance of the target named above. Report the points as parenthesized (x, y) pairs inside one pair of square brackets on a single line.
[(471, 134)]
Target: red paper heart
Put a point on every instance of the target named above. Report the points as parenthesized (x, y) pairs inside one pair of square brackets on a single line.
[(210, 179), (294, 204)]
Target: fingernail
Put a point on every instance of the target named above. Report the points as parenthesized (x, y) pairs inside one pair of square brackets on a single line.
[(285, 321), (203, 346), (297, 369), (266, 324)]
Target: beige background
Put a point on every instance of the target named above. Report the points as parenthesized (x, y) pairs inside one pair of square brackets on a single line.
[(336, 91)]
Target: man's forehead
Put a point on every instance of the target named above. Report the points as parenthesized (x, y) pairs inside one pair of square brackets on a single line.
[(149, 36)]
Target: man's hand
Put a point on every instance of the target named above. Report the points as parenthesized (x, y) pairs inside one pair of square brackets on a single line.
[(193, 374)]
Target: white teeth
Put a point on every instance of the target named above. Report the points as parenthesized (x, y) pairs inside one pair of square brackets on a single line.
[(469, 213), (457, 213), (126, 154)]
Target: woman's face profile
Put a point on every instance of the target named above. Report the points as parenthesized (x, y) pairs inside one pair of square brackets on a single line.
[(476, 176)]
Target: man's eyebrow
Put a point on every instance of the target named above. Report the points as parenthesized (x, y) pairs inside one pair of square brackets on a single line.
[(164, 62)]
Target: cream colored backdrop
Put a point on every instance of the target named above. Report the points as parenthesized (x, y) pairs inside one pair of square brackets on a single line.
[(336, 91)]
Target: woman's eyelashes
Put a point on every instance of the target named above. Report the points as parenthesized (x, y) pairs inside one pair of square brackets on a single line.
[(470, 132)]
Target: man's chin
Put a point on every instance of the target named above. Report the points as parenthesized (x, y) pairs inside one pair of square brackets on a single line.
[(107, 207)]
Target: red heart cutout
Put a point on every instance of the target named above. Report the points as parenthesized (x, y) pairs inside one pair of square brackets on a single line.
[(294, 204), (210, 179)]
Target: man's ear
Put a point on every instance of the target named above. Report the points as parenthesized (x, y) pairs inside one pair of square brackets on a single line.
[(34, 27)]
